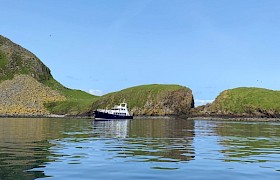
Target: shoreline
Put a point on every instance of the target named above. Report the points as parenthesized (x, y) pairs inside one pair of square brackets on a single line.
[(42, 116), (191, 117), (244, 119)]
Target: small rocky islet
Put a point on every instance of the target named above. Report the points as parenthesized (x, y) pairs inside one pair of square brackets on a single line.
[(27, 88)]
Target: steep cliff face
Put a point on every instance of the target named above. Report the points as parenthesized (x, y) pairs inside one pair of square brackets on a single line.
[(248, 102), (22, 75), (155, 99), (14, 59), (28, 88)]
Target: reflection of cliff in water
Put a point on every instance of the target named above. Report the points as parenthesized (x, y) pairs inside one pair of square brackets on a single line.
[(246, 141), (25, 145), (161, 140), (162, 128)]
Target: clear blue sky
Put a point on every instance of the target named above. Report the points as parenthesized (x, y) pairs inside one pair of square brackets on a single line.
[(109, 45)]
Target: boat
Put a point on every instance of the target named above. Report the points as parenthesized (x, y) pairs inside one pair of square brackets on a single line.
[(117, 112)]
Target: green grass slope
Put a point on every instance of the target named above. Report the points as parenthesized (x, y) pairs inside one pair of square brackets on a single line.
[(3, 60), (153, 99), (16, 60), (254, 101), (77, 102)]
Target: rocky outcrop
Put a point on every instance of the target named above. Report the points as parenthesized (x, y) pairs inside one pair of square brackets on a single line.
[(243, 102), (151, 100), (24, 95), (28, 88), (22, 75), (17, 60)]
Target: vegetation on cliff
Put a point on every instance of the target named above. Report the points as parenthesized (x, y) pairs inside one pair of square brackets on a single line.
[(77, 102), (247, 102), (154, 99), (24, 95), (27, 86), (15, 59)]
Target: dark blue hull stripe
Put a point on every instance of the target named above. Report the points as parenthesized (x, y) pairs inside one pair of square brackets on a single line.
[(103, 115)]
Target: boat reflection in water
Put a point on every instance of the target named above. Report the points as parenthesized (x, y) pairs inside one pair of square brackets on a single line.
[(149, 140), (138, 149), (111, 128)]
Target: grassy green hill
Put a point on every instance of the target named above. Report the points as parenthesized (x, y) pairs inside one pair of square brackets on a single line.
[(27, 87), (77, 102), (16, 60), (250, 101), (153, 99)]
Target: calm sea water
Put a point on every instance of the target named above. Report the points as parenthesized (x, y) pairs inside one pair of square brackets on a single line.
[(138, 149)]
